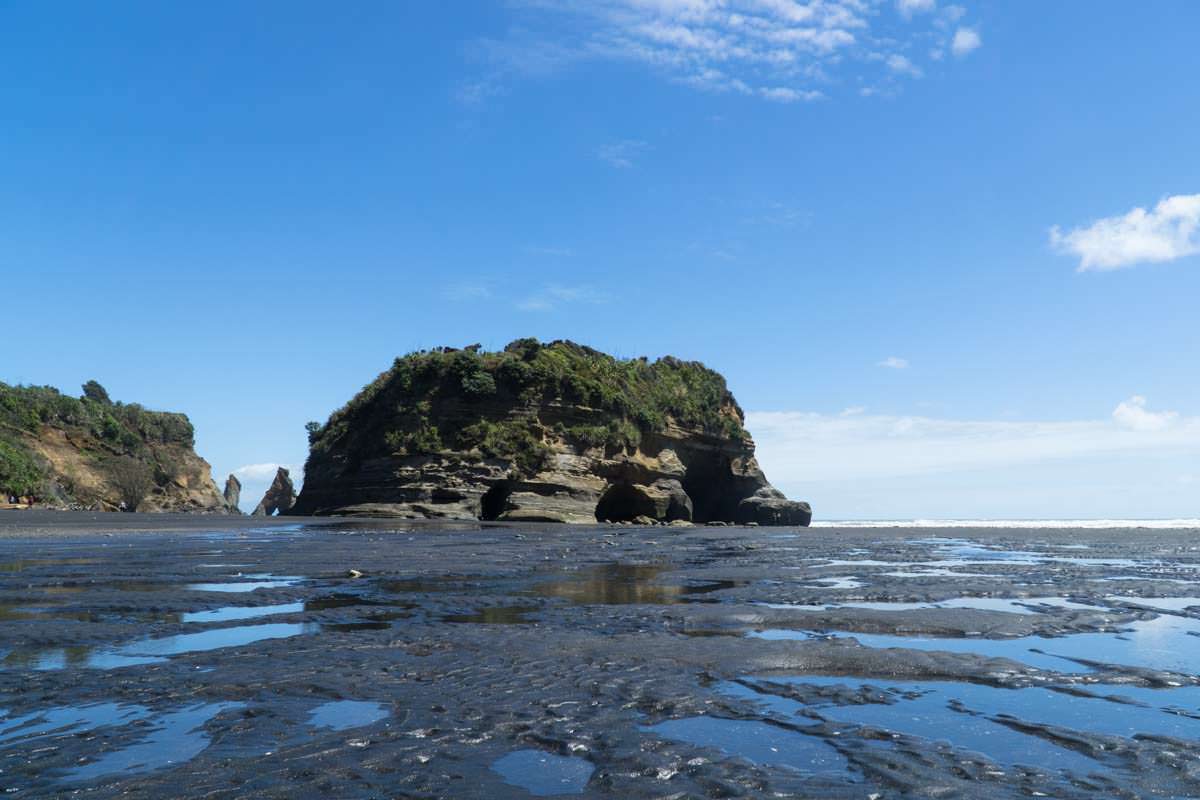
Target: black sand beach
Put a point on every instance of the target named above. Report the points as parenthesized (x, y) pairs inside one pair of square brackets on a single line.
[(149, 656)]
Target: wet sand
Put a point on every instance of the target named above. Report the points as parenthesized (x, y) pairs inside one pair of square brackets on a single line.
[(213, 657)]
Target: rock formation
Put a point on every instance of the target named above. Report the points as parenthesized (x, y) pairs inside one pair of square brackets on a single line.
[(280, 496), (233, 494), (91, 452), (542, 432)]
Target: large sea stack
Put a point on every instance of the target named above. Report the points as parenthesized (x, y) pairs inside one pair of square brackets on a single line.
[(90, 452), (280, 496), (552, 432)]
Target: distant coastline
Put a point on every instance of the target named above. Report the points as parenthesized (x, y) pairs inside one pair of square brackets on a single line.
[(1039, 524)]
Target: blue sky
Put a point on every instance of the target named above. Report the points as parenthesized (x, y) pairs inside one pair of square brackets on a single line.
[(245, 211)]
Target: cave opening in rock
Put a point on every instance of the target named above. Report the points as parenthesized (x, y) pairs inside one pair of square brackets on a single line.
[(623, 502), (714, 489), (494, 502)]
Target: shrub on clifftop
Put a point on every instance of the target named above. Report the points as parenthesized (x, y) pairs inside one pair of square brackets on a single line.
[(489, 402)]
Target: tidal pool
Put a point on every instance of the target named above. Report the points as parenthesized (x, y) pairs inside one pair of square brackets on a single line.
[(624, 584), (252, 582), (68, 719), (1164, 643), (175, 737), (972, 716), (1017, 605), (544, 774), (341, 715), (150, 651), (170, 737), (756, 741)]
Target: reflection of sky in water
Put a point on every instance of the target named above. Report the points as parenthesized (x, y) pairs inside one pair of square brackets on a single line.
[(149, 651), (176, 737), (241, 612), (543, 774), (1012, 606), (216, 639), (1162, 603), (261, 580), (169, 738), (341, 715), (929, 715), (755, 741), (69, 719), (1165, 643)]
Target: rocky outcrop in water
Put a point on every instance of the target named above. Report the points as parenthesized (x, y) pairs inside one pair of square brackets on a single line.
[(542, 432), (233, 494), (91, 452), (280, 496)]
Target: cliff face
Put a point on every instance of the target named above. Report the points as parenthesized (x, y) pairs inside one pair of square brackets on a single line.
[(555, 432), (90, 452)]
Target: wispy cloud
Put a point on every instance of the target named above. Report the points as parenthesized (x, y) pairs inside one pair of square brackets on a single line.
[(785, 51), (621, 154), (797, 446), (966, 41), (910, 7), (556, 296), (902, 66), (521, 55), (1169, 231), (893, 362)]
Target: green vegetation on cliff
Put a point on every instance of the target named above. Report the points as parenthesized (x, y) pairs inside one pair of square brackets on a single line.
[(124, 440), (495, 403)]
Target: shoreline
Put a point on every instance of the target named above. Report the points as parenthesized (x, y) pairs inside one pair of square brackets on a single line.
[(43, 523)]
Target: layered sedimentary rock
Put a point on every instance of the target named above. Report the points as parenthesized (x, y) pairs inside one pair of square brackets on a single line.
[(279, 497), (233, 494), (555, 432), (90, 452)]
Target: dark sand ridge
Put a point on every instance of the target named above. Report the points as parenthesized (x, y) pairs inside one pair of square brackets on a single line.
[(578, 643)]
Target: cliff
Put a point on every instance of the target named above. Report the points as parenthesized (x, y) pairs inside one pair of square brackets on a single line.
[(89, 452), (541, 432)]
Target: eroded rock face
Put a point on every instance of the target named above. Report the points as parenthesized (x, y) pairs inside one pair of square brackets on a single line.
[(90, 453), (280, 496), (673, 473), (233, 493)]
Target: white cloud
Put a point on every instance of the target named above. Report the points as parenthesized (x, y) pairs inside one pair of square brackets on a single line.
[(902, 66), (261, 472), (1169, 231), (965, 41), (892, 362), (554, 296), (795, 447), (1132, 414), (782, 94), (784, 51), (952, 14), (910, 7), (621, 154)]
